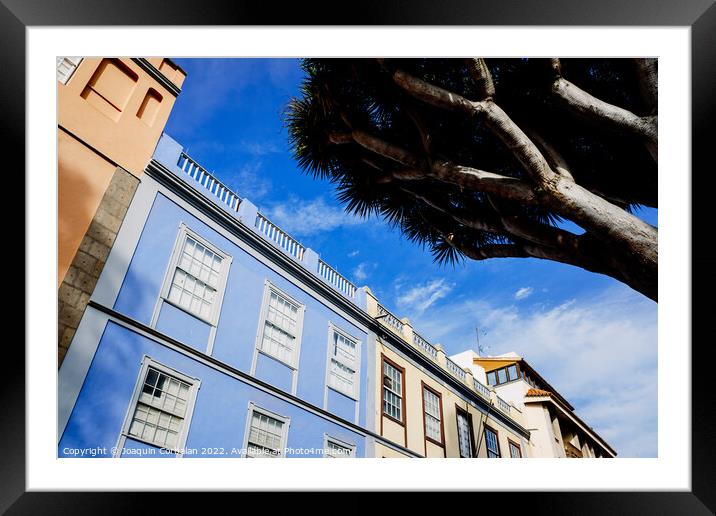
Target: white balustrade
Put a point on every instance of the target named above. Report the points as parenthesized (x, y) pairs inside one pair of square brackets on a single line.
[(333, 277), (210, 183), (279, 237)]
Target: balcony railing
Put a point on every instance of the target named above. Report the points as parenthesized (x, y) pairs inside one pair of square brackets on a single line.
[(482, 389), (503, 405), (425, 346), (279, 237), (333, 277), (456, 370), (390, 319), (215, 188)]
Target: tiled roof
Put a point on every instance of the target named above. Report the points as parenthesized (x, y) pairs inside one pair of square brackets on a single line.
[(538, 392)]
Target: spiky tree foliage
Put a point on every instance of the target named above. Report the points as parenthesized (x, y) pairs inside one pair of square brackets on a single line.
[(485, 159)]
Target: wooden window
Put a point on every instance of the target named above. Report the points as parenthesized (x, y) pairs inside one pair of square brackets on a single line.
[(492, 443), (433, 415), (465, 436), (393, 391), (515, 450)]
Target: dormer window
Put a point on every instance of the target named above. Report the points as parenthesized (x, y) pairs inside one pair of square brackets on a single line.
[(502, 375)]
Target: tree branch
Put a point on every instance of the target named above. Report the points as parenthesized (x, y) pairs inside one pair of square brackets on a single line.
[(479, 180), (591, 108), (425, 137), (554, 158), (485, 252), (535, 232), (497, 120), (647, 72), (480, 73), (472, 223)]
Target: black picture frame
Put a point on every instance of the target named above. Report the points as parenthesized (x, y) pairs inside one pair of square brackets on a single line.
[(700, 15)]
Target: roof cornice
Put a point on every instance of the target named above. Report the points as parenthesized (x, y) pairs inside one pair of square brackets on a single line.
[(157, 75)]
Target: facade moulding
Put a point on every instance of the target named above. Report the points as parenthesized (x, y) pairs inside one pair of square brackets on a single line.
[(157, 75)]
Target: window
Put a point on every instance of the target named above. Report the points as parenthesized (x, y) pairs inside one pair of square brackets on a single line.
[(66, 66), (505, 374), (501, 376), (432, 409), (343, 363), (161, 407), (281, 330), (515, 450), (196, 277), (392, 391), (337, 449), (493, 447), (464, 433), (266, 434)]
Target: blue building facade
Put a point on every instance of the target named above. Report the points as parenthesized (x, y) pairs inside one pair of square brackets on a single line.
[(211, 332)]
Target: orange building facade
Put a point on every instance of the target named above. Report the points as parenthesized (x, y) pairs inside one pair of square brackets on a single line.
[(110, 115)]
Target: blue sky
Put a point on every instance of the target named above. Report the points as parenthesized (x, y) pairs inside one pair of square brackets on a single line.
[(592, 338)]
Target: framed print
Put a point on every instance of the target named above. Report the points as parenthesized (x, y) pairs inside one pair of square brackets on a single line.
[(212, 303)]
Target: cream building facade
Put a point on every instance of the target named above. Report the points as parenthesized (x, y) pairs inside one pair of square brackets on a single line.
[(427, 403), (556, 431)]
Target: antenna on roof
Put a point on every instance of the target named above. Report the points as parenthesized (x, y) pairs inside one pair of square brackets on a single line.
[(481, 350)]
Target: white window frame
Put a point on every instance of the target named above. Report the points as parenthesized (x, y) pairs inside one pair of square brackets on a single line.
[(284, 430), (427, 391), (293, 365), (355, 395), (338, 442), (194, 384), (401, 396), (226, 259), (71, 63)]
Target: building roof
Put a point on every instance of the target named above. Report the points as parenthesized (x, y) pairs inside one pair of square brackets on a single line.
[(538, 392), (541, 393), (491, 363)]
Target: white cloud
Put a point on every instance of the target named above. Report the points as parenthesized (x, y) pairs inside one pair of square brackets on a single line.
[(353, 253), (600, 353), (301, 217), (421, 297), (523, 293), (248, 181), (259, 148), (363, 270)]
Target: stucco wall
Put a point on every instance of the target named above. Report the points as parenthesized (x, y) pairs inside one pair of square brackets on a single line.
[(98, 132), (239, 321), (219, 417)]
